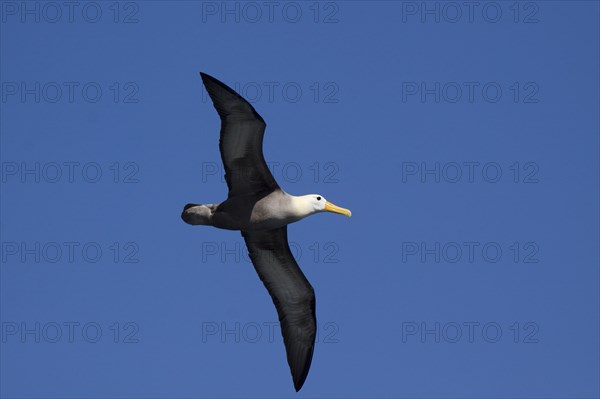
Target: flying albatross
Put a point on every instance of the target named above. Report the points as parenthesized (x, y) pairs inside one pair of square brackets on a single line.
[(261, 210)]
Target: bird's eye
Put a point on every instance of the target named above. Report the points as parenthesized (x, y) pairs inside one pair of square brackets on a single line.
[(318, 198)]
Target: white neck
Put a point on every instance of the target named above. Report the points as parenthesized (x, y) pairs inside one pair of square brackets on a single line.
[(301, 207)]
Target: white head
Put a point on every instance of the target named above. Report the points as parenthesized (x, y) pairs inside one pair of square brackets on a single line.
[(306, 205)]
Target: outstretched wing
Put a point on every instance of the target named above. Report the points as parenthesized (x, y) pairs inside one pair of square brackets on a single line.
[(242, 131), (292, 294)]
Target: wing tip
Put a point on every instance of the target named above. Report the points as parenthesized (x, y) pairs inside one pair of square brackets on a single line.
[(215, 90), (208, 79), (299, 376), (298, 384), (300, 369), (204, 76)]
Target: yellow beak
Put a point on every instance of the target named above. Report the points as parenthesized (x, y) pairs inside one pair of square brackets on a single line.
[(329, 207)]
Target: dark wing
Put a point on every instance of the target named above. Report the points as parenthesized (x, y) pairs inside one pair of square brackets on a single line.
[(242, 131), (292, 294)]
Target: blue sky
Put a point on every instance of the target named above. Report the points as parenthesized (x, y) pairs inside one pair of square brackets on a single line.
[(463, 137)]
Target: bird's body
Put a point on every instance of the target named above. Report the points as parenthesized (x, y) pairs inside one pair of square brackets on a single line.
[(261, 210), (272, 211)]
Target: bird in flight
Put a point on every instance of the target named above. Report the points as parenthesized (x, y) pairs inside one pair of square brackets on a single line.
[(261, 210)]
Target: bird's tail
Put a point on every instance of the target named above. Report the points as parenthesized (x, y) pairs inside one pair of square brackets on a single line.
[(198, 214)]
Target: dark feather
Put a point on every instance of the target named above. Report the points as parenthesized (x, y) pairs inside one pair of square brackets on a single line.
[(242, 131), (292, 295)]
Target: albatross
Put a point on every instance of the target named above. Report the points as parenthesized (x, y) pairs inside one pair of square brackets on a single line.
[(261, 210)]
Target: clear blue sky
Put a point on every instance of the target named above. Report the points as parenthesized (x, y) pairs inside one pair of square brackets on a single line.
[(464, 138)]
